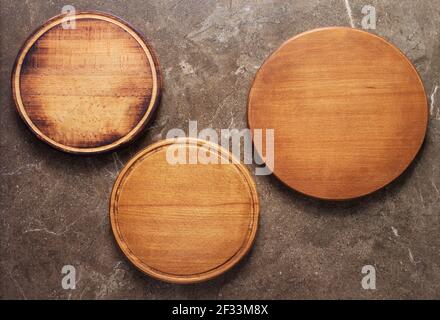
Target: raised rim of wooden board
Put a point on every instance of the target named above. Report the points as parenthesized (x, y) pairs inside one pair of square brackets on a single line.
[(398, 51), (200, 277), (149, 52)]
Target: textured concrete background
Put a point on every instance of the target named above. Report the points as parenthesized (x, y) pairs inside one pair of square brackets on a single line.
[(54, 205)]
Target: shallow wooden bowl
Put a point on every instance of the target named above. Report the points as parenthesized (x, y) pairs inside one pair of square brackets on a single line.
[(89, 89), (348, 109), (184, 223)]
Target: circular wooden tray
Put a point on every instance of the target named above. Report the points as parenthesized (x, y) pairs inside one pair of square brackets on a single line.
[(348, 109), (184, 223), (86, 90)]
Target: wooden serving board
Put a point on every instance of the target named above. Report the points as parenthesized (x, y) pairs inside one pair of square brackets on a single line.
[(184, 223), (89, 89), (348, 109)]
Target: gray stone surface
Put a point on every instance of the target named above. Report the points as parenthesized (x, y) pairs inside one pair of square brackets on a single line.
[(54, 205)]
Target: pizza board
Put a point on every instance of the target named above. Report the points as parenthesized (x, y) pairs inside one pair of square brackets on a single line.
[(348, 110), (184, 222), (88, 85)]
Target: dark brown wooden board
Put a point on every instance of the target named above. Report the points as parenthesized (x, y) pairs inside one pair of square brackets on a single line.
[(86, 90)]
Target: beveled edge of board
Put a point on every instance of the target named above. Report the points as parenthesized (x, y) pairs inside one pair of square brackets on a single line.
[(153, 60), (199, 277), (374, 36)]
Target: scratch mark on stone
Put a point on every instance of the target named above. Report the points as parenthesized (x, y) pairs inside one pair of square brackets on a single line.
[(20, 169), (216, 21), (350, 15), (396, 233), (193, 35), (176, 4), (159, 125), (82, 292), (186, 67), (220, 107), (431, 109), (112, 174), (435, 187), (116, 161), (421, 196), (117, 265), (239, 70), (232, 121), (59, 233), (411, 257), (216, 112), (18, 286), (42, 230)]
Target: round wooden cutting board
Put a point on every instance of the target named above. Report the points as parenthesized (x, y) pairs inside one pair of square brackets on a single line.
[(88, 89), (184, 222), (348, 109)]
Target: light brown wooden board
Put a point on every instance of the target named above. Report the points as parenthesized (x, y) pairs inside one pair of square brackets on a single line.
[(348, 109), (184, 223), (88, 89)]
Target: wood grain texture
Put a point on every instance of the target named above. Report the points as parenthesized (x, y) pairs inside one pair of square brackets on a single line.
[(348, 108), (184, 223), (88, 89)]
